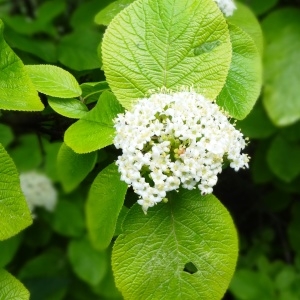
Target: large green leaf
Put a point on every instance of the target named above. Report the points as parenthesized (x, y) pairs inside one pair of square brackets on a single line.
[(88, 263), (15, 215), (281, 93), (244, 18), (166, 43), (103, 206), (95, 130), (185, 249), (244, 79), (72, 167), (11, 288), (53, 81), (284, 159), (16, 89)]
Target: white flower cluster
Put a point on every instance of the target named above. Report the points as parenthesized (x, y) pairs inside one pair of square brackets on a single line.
[(226, 6), (38, 190), (173, 140)]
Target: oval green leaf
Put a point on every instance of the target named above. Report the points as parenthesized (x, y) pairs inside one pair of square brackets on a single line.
[(103, 206), (185, 249), (16, 89), (78, 50), (257, 125), (95, 130), (138, 56), (105, 16), (6, 135), (244, 79), (53, 81), (284, 159), (15, 215), (72, 167), (244, 18), (70, 108), (88, 263), (281, 94), (68, 219), (11, 288)]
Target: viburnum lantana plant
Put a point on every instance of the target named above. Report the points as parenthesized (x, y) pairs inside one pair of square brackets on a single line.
[(176, 75)]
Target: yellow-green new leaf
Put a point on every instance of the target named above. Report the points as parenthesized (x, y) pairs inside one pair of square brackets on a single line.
[(54, 81), (16, 89), (96, 129), (14, 212)]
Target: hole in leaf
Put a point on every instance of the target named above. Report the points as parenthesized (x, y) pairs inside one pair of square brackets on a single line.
[(190, 268), (206, 47)]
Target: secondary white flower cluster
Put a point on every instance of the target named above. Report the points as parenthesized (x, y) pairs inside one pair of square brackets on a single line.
[(173, 140), (226, 6), (38, 190)]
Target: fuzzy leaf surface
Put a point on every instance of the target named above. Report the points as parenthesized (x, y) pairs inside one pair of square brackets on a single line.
[(150, 256), (138, 56)]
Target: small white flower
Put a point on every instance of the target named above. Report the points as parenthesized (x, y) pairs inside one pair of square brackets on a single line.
[(173, 140), (226, 6), (38, 190)]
